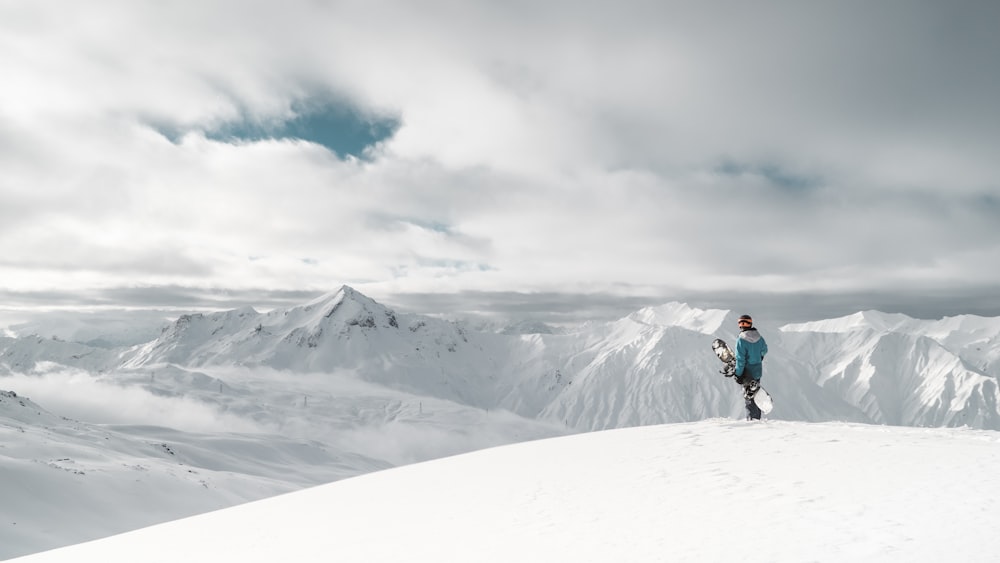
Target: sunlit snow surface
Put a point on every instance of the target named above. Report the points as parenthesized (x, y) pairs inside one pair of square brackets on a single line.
[(237, 406), (715, 490)]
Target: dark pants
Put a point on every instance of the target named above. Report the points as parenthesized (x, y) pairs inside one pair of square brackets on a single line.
[(752, 373), (749, 390), (753, 411)]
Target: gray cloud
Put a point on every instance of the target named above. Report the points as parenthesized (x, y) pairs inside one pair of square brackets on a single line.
[(167, 298), (769, 309), (147, 309), (652, 148), (86, 397)]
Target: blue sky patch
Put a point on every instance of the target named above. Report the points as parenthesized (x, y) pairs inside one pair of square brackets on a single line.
[(341, 128)]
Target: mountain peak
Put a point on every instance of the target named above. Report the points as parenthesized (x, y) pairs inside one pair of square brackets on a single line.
[(329, 297), (862, 320), (706, 321), (347, 306)]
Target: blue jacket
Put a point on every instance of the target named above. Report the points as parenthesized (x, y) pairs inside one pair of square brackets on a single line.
[(750, 351)]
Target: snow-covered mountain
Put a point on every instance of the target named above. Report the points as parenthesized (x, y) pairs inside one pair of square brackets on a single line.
[(649, 367), (904, 371), (268, 402)]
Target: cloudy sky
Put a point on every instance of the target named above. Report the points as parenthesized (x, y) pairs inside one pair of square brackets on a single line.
[(560, 157)]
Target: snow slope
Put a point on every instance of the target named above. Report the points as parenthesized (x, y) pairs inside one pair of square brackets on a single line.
[(241, 405), (709, 491), (64, 481), (175, 443)]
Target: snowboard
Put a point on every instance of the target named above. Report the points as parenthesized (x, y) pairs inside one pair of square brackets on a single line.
[(759, 396)]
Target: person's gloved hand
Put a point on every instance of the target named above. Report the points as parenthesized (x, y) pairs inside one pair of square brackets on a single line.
[(741, 379)]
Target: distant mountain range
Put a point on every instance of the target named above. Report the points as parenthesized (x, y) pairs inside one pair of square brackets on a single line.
[(652, 366)]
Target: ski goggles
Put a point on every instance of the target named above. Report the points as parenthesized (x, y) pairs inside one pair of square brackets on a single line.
[(744, 322)]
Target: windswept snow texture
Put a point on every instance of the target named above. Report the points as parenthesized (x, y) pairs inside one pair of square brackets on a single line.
[(241, 405), (711, 491)]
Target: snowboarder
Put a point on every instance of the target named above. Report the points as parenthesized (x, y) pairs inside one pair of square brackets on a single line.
[(750, 351)]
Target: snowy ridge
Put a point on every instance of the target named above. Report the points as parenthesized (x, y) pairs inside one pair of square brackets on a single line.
[(103, 329), (23, 354), (681, 315), (863, 320), (974, 338), (897, 378), (344, 328), (649, 367), (901, 370)]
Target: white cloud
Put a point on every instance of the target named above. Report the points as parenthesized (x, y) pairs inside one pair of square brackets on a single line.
[(82, 396), (557, 146)]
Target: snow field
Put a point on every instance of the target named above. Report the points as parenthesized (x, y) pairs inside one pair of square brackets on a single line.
[(715, 490)]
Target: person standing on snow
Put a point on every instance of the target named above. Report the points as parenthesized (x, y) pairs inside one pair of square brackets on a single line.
[(750, 351)]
